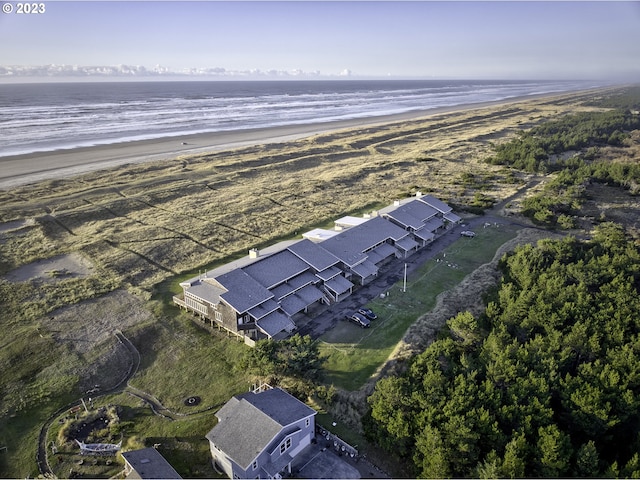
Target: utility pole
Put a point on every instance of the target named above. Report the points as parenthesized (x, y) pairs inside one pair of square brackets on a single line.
[(404, 287)]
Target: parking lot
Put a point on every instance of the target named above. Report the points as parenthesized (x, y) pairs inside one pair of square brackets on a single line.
[(320, 320)]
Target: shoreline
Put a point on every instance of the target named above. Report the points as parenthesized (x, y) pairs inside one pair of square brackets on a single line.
[(19, 170)]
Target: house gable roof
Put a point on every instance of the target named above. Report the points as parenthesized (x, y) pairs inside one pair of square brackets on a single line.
[(249, 423), (436, 203), (413, 214), (313, 254), (243, 292), (149, 463), (350, 244), (276, 268), (206, 290)]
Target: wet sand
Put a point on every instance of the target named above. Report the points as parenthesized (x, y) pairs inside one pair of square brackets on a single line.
[(30, 168)]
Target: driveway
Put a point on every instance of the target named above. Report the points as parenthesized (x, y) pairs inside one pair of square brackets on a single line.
[(320, 460)]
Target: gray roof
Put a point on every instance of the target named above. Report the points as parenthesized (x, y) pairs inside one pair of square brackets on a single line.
[(149, 463), (452, 217), (276, 268), (435, 203), (329, 273), (365, 269), (248, 423), (349, 245), (413, 214), (295, 283), (263, 309), (339, 284), (407, 244), (244, 292), (274, 323), (313, 254), (300, 300), (434, 224), (293, 304), (425, 234), (382, 252), (206, 290), (282, 291)]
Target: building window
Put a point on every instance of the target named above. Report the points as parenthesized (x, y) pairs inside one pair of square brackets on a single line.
[(255, 464), (286, 445), (306, 422), (218, 316)]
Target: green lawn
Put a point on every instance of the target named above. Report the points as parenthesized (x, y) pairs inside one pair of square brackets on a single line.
[(182, 442), (180, 359), (353, 354)]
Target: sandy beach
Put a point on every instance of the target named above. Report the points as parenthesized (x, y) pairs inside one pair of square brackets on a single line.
[(30, 168)]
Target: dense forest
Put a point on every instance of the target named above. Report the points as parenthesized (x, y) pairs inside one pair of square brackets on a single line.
[(533, 149), (545, 383)]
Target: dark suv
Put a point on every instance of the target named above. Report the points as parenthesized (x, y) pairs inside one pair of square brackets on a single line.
[(359, 320), (367, 313)]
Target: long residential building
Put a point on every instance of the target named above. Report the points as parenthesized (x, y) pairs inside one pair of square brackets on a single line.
[(260, 295)]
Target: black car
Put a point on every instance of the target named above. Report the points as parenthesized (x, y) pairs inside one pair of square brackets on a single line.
[(359, 320), (367, 313)]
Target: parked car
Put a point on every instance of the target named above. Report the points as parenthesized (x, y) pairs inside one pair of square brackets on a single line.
[(367, 313), (359, 320), (468, 233)]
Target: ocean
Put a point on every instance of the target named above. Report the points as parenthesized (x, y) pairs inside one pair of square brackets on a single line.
[(50, 116)]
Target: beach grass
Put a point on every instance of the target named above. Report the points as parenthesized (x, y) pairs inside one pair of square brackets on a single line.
[(352, 355)]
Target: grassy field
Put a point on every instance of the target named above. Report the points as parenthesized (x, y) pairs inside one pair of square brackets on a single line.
[(354, 354), (181, 441)]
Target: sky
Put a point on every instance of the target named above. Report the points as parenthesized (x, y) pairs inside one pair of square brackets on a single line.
[(414, 39)]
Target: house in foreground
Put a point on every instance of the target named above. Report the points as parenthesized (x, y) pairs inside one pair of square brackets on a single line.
[(259, 296), (147, 463), (260, 433)]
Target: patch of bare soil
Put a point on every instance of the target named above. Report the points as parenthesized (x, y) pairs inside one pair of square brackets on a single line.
[(15, 225), (609, 203), (88, 324), (62, 267), (107, 369)]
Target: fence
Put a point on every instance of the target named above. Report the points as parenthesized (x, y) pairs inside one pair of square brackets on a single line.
[(335, 442)]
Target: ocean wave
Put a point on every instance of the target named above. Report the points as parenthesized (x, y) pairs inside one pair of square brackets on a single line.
[(45, 117)]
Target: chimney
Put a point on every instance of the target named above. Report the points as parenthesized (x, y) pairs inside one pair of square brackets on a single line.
[(396, 203), (254, 253), (418, 194)]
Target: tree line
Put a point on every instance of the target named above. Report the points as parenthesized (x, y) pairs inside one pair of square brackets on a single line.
[(532, 150), (561, 198), (545, 383)]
